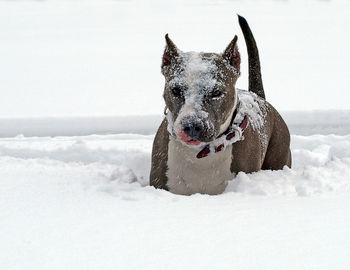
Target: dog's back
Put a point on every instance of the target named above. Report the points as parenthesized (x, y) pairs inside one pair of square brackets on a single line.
[(270, 131)]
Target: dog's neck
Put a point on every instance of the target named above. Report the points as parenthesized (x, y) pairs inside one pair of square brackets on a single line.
[(233, 133)]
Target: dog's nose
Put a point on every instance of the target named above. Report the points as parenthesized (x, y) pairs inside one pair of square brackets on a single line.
[(194, 129)]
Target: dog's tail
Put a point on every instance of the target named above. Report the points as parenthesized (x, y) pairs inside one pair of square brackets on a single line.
[(255, 80)]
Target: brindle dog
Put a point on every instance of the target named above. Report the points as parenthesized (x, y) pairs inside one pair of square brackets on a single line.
[(212, 130)]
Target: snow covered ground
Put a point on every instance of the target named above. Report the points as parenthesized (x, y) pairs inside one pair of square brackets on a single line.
[(83, 202)]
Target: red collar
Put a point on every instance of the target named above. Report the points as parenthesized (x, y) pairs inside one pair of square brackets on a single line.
[(230, 136)]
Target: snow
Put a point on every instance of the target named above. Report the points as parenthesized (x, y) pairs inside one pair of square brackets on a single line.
[(253, 106), (83, 202)]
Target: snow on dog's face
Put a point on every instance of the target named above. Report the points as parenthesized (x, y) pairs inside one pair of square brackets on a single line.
[(199, 92)]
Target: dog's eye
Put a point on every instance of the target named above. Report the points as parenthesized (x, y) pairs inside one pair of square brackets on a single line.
[(216, 93), (177, 92)]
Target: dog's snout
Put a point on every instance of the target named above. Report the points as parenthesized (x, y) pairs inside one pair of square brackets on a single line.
[(193, 128)]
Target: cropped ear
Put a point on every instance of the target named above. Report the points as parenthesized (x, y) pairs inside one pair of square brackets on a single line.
[(231, 54), (170, 53)]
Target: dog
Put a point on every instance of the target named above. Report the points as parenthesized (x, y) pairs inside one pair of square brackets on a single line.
[(211, 130)]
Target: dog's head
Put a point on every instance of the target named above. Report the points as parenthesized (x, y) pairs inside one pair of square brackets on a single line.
[(200, 91)]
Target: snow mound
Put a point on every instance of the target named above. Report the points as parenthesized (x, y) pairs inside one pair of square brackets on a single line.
[(321, 164)]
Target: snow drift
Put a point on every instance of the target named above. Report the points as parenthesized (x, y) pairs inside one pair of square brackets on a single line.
[(84, 202)]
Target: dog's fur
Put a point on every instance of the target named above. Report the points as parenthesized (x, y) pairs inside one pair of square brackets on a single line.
[(201, 101)]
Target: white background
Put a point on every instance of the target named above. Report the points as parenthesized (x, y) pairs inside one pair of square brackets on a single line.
[(99, 57)]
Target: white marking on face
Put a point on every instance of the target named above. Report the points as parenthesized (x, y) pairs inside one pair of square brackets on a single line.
[(198, 76)]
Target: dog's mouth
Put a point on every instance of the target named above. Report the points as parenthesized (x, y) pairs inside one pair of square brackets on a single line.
[(189, 140), (193, 142)]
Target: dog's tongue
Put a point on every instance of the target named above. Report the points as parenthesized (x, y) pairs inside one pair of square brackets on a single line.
[(192, 142), (187, 139)]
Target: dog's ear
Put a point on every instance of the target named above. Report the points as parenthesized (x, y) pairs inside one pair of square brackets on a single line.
[(170, 53), (231, 54)]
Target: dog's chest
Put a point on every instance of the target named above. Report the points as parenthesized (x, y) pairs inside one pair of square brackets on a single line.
[(188, 175)]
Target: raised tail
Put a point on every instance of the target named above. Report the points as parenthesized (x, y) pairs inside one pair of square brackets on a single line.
[(255, 80)]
